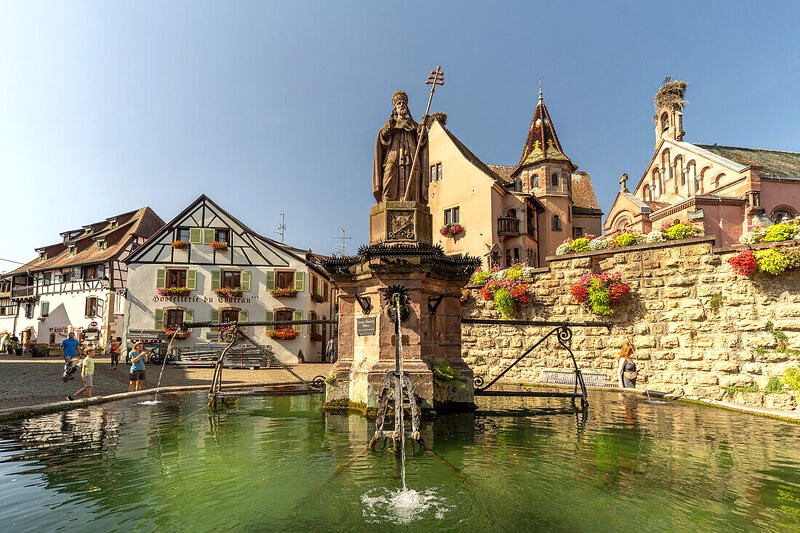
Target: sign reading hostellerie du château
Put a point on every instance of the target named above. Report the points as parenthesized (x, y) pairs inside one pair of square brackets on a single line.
[(365, 326), (205, 299)]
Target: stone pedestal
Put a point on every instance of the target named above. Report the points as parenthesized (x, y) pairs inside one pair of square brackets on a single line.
[(430, 335), (400, 223)]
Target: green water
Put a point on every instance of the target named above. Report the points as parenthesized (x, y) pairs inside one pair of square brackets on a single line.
[(278, 464)]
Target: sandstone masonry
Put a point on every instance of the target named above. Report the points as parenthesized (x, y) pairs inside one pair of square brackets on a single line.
[(699, 329)]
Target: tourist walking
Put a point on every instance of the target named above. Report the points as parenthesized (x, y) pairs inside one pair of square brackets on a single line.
[(71, 347), (87, 375), (116, 349), (331, 351), (138, 356), (626, 368)]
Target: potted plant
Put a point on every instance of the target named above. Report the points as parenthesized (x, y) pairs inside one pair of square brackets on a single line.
[(179, 244), (174, 291), (451, 230), (182, 333), (284, 293), (285, 333), (218, 245), (227, 292), (600, 292)]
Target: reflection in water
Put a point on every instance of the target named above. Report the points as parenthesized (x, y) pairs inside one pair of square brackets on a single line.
[(279, 464)]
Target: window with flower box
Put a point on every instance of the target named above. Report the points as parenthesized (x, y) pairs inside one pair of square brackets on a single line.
[(222, 235), (284, 280), (452, 216), (231, 279), (182, 234), (169, 280), (173, 318), (176, 277)]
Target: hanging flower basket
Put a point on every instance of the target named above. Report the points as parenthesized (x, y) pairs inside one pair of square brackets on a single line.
[(284, 293), (180, 245), (226, 292), (282, 334), (182, 334), (219, 246), (451, 230), (600, 292), (174, 291)]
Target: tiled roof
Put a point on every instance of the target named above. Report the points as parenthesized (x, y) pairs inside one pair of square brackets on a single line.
[(503, 171), (542, 142), (582, 191), (773, 163), (142, 222)]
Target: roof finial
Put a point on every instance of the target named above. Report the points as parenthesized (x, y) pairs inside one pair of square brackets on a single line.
[(540, 89)]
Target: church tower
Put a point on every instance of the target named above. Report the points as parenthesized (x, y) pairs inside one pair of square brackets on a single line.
[(546, 172), (669, 104)]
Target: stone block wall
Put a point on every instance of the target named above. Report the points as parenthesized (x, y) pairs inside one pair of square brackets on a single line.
[(698, 329)]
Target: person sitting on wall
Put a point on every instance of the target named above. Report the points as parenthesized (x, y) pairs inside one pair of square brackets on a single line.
[(626, 368)]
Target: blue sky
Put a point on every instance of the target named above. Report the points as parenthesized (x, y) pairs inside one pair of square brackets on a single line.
[(272, 107)]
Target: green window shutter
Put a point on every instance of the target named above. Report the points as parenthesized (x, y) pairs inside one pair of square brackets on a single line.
[(161, 278), (214, 318), (270, 316), (188, 315), (245, 281), (208, 235), (159, 319), (270, 279), (195, 235), (243, 315), (300, 281), (216, 276), (191, 279), (298, 315)]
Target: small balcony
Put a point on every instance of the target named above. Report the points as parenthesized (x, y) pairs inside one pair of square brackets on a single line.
[(507, 226), (23, 293)]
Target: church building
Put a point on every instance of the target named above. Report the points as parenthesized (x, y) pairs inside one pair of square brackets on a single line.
[(721, 188), (509, 214)]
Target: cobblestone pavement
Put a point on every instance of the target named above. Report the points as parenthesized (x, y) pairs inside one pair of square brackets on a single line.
[(26, 381)]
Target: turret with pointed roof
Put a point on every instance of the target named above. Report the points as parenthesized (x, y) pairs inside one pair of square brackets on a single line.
[(542, 143)]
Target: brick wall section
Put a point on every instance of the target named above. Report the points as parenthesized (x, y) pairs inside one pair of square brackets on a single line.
[(682, 345)]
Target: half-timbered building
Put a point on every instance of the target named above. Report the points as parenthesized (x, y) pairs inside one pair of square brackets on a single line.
[(205, 265), (76, 285)]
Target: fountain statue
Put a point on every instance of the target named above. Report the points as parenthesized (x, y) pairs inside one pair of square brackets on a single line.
[(401, 256)]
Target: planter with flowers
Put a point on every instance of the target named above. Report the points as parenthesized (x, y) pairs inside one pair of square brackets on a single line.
[(174, 291), (451, 230), (218, 246), (506, 290), (285, 333), (179, 244), (284, 293), (227, 292), (774, 260), (600, 292), (181, 333)]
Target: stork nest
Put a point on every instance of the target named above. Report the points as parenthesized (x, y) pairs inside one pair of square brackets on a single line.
[(670, 94)]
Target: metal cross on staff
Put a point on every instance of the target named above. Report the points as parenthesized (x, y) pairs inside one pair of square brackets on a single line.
[(435, 78)]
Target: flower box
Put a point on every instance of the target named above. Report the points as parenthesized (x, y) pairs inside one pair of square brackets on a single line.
[(219, 246), (283, 334), (451, 230), (226, 292), (182, 334), (179, 245), (174, 291), (284, 293)]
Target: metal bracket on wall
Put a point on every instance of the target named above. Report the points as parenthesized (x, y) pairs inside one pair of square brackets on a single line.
[(433, 303), (365, 302)]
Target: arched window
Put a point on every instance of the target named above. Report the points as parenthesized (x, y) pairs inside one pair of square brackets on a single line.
[(782, 213), (691, 169), (718, 180), (518, 185), (556, 223), (508, 258), (534, 181), (664, 121), (516, 255), (647, 194), (554, 179)]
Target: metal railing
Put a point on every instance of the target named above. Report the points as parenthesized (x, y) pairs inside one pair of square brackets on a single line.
[(507, 226)]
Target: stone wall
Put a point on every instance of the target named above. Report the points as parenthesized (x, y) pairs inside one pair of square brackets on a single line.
[(685, 344)]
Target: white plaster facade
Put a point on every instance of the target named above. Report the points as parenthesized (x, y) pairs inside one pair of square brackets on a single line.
[(258, 263)]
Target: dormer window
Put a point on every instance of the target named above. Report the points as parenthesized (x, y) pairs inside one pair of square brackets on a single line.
[(112, 223), (101, 244), (87, 230), (42, 255), (72, 249)]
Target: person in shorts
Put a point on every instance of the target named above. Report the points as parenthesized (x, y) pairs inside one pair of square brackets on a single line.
[(71, 348), (138, 356), (87, 375)]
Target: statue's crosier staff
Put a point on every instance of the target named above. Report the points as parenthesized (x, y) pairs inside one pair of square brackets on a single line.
[(436, 78)]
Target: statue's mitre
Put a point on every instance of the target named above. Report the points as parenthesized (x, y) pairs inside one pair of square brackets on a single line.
[(399, 95)]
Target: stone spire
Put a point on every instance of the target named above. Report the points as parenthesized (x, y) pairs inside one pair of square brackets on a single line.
[(542, 142)]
